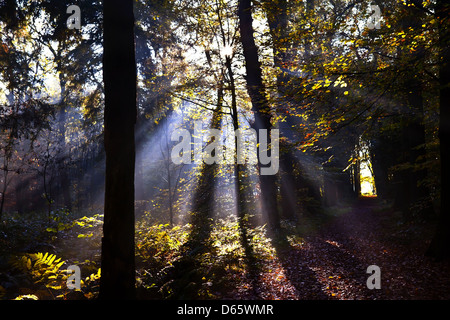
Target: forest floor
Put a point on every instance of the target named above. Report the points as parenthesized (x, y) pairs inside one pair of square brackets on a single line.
[(331, 262), (320, 258)]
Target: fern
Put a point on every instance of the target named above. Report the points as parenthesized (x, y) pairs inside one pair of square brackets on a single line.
[(43, 268)]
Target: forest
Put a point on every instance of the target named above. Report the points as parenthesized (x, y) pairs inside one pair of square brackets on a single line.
[(224, 150)]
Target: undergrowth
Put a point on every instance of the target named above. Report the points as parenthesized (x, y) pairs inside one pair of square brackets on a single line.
[(39, 270), (168, 268)]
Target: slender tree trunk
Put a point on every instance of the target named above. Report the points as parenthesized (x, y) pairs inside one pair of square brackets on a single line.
[(239, 169), (5, 186), (63, 175), (170, 191), (260, 105), (140, 141), (47, 195), (187, 282), (19, 195), (380, 167), (356, 175), (203, 200), (288, 190), (440, 245), (119, 76)]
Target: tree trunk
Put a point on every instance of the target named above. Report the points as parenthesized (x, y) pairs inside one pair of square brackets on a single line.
[(20, 201), (119, 75), (5, 185), (356, 176), (239, 168), (63, 175), (440, 245), (380, 163), (413, 130), (276, 11), (277, 19), (260, 105), (203, 199), (139, 143), (288, 190)]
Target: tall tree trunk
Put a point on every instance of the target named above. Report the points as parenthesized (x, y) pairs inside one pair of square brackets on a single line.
[(381, 162), (203, 200), (140, 139), (413, 129), (356, 178), (260, 105), (119, 76), (239, 168), (276, 12), (290, 182), (440, 245), (63, 175), (5, 186), (288, 190), (20, 201)]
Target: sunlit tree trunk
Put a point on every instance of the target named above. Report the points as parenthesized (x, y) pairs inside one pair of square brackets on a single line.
[(63, 168), (239, 168), (356, 168), (260, 105), (203, 199), (119, 75)]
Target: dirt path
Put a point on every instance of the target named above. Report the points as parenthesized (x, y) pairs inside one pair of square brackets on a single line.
[(332, 264)]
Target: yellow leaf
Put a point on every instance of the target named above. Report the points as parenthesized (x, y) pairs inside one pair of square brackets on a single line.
[(27, 297), (51, 258)]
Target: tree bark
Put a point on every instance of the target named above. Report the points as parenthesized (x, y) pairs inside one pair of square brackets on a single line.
[(119, 75), (63, 176), (260, 105), (356, 178), (409, 190), (440, 245)]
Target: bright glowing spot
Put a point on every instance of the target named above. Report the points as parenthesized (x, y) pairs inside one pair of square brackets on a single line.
[(366, 179), (333, 243), (227, 51)]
